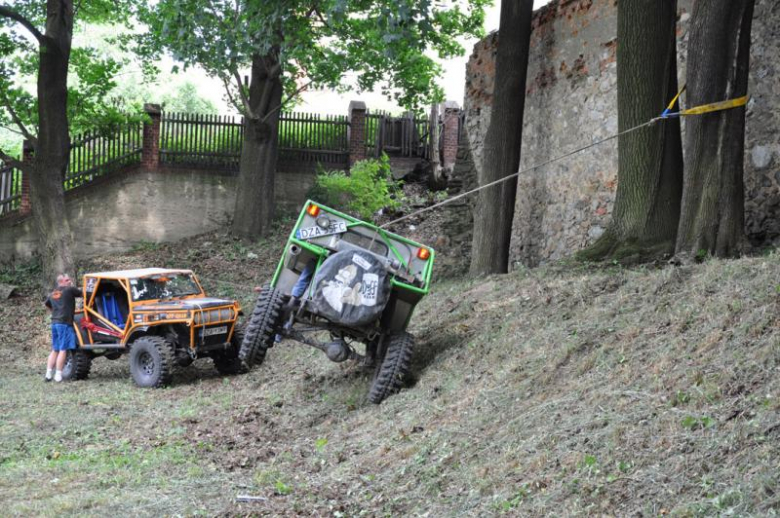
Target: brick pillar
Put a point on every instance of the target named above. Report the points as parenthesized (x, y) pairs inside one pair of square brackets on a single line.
[(25, 206), (357, 131), (449, 135), (150, 154)]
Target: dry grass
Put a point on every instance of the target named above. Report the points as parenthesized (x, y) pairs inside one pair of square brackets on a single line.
[(560, 391)]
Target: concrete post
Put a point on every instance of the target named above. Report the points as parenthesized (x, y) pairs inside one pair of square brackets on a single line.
[(357, 131), (150, 153), (450, 135), (25, 205)]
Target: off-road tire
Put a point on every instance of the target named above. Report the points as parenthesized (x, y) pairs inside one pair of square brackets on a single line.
[(264, 322), (151, 361), (392, 366), (227, 362), (78, 363)]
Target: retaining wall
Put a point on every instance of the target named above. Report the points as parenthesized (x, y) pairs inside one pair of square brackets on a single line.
[(119, 211), (571, 100)]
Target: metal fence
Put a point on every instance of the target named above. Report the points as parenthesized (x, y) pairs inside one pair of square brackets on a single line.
[(310, 137), (397, 136), (206, 141), (96, 154), (214, 142), (10, 189)]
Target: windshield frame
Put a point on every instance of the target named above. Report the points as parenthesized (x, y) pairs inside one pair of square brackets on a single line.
[(160, 293)]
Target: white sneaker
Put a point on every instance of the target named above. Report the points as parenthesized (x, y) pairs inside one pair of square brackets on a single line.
[(58, 376)]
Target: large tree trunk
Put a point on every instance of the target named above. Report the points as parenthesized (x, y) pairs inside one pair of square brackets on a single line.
[(650, 163), (52, 149), (712, 219), (495, 205), (254, 210), (436, 180)]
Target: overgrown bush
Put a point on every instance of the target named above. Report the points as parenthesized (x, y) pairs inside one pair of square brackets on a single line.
[(368, 188)]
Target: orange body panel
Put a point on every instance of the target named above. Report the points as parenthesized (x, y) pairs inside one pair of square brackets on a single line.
[(186, 317)]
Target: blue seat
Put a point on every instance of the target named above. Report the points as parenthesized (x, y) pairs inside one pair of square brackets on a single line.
[(111, 310)]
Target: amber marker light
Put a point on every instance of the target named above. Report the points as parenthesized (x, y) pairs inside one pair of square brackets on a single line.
[(313, 210), (423, 253)]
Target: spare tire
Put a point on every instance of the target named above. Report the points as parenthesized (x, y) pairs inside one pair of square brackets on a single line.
[(351, 288)]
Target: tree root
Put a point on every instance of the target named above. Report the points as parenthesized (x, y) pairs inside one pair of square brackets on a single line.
[(626, 252)]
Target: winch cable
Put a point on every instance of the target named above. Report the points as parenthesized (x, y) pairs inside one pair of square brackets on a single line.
[(666, 114), (522, 171)]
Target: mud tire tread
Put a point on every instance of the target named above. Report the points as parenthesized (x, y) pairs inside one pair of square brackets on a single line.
[(165, 357), (393, 368), (228, 363), (261, 328), (77, 365)]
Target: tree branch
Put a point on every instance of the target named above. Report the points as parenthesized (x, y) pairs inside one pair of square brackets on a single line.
[(7, 12), (245, 102), (286, 100), (9, 160), (272, 72), (77, 8), (17, 120), (226, 82)]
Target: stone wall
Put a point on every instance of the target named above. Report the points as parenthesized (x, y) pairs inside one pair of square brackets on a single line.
[(121, 210), (571, 101)]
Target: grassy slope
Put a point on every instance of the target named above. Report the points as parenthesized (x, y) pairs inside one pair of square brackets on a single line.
[(558, 391)]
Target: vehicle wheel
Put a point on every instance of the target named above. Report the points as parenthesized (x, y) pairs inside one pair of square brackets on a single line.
[(262, 327), (151, 361), (227, 362), (392, 366), (78, 363)]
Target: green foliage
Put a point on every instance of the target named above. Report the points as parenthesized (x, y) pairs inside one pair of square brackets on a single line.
[(369, 187), (316, 44), (515, 501), (282, 488), (697, 423), (91, 72), (187, 100), (25, 275), (145, 246), (680, 398)]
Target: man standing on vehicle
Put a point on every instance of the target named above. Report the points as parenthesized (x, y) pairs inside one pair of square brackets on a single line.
[(62, 304)]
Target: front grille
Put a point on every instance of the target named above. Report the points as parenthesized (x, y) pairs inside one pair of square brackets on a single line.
[(214, 315)]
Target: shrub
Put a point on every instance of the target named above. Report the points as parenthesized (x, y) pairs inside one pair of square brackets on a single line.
[(369, 187)]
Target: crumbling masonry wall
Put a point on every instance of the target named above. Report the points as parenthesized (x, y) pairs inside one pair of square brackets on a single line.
[(571, 100)]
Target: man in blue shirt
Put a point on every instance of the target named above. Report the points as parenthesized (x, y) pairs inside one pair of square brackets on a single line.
[(62, 304)]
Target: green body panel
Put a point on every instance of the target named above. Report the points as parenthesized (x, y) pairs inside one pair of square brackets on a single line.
[(385, 236)]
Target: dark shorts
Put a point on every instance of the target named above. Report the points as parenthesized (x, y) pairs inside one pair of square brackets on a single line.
[(63, 337)]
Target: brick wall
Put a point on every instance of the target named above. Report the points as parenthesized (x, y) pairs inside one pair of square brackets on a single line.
[(572, 100), (150, 156)]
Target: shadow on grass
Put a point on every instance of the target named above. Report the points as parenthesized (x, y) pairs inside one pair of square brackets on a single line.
[(119, 369), (427, 350)]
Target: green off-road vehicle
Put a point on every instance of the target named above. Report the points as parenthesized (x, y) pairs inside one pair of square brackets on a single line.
[(354, 280), (160, 318)]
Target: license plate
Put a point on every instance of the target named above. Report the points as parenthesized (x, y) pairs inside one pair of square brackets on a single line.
[(337, 227), (215, 331)]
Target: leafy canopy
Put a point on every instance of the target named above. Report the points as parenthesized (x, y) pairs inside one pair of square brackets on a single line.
[(319, 43), (91, 73)]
